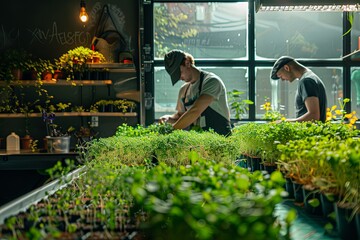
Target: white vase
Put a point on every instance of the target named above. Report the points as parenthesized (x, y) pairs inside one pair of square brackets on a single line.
[(13, 142)]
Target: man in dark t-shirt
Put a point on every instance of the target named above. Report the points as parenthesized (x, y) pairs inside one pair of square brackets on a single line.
[(310, 98)]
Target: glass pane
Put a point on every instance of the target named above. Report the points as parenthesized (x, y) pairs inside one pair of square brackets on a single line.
[(298, 34), (206, 30), (281, 93), (355, 33), (166, 95), (355, 89)]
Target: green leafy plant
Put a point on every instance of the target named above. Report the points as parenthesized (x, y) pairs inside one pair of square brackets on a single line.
[(207, 201), (270, 113), (62, 107), (75, 60), (340, 114), (11, 59), (162, 26), (237, 104)]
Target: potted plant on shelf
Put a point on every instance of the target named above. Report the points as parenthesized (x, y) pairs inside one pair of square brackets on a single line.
[(14, 63), (40, 69), (85, 134), (74, 61), (104, 105), (56, 139), (123, 105)]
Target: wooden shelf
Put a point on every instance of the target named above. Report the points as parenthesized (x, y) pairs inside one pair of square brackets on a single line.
[(114, 67), (59, 83), (71, 114)]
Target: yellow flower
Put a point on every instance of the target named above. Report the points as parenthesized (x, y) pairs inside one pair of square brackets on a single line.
[(333, 107), (353, 120), (338, 112), (349, 115), (329, 116)]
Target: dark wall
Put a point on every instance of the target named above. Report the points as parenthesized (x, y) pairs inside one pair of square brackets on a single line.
[(49, 29)]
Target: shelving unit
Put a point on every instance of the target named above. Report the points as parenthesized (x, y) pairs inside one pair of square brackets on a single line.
[(58, 83), (70, 114), (80, 93), (114, 67)]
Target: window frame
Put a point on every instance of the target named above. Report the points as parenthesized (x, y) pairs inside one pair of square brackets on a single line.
[(251, 63)]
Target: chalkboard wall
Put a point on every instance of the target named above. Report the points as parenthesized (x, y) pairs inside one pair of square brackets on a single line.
[(52, 27)]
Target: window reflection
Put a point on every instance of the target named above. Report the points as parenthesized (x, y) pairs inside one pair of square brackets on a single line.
[(298, 34), (355, 89), (206, 30)]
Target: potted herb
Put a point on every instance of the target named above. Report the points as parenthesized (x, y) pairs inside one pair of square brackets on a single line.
[(237, 104), (56, 139), (14, 63), (123, 105), (85, 134), (41, 69), (74, 61)]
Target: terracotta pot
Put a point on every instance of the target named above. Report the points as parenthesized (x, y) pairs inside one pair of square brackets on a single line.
[(58, 74), (46, 76), (26, 142)]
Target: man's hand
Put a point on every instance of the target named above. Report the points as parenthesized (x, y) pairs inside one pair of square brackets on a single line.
[(169, 118), (164, 119)]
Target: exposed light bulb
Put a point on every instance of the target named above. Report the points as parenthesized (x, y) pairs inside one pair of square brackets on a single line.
[(83, 14)]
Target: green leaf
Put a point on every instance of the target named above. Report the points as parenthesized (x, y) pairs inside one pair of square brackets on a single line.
[(291, 216), (314, 202)]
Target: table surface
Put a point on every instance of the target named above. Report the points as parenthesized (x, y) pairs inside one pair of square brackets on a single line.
[(28, 160)]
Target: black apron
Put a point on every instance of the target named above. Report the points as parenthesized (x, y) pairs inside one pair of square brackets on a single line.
[(213, 119)]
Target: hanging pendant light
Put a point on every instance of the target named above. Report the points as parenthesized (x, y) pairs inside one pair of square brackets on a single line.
[(308, 5), (83, 14)]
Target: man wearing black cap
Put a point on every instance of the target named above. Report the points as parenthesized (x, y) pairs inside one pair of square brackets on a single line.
[(202, 99), (310, 97)]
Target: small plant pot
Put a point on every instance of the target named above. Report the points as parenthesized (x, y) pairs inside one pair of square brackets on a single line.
[(58, 144), (270, 167), (255, 164), (327, 203), (298, 193), (46, 76), (345, 225), (289, 186), (58, 74), (26, 142), (312, 202), (357, 222)]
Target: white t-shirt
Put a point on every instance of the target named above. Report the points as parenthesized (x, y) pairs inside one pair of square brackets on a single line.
[(212, 85)]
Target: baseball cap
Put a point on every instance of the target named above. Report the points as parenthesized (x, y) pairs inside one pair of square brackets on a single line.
[(173, 60), (279, 64)]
